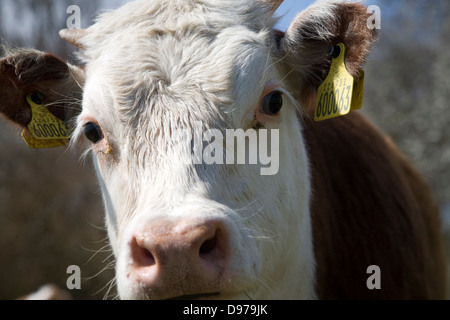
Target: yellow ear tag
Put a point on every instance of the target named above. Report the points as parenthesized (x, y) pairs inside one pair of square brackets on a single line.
[(44, 130), (339, 93), (358, 92)]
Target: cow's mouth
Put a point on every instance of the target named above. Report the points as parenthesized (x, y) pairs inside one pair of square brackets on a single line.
[(196, 296)]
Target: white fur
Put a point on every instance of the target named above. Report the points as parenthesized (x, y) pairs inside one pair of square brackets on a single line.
[(156, 66)]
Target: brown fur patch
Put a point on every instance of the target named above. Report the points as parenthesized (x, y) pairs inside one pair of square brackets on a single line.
[(370, 207)]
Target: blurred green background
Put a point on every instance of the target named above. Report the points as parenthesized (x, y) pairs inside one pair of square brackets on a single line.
[(51, 214)]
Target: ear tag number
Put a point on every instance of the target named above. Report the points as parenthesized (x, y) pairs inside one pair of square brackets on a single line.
[(339, 93), (44, 130)]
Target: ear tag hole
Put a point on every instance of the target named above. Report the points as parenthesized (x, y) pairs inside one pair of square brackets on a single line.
[(37, 98), (334, 51)]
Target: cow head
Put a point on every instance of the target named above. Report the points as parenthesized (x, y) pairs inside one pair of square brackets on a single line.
[(165, 83)]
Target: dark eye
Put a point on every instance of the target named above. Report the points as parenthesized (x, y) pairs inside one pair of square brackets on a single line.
[(272, 103), (93, 132)]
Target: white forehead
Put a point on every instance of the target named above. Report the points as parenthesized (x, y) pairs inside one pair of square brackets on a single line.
[(179, 48), (155, 29), (179, 15)]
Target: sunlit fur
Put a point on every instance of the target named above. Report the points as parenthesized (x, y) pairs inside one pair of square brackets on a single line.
[(157, 66)]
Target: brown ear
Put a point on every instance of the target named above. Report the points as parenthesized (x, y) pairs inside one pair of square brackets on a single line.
[(313, 31), (55, 83)]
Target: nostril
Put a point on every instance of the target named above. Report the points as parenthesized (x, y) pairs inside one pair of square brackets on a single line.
[(141, 255), (209, 245), (147, 258)]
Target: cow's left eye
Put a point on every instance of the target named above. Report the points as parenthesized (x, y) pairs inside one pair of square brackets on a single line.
[(272, 103)]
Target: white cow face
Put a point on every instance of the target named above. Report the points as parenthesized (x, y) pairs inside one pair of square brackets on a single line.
[(165, 89)]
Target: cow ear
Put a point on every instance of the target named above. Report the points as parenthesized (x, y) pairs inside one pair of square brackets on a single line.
[(55, 83), (307, 41)]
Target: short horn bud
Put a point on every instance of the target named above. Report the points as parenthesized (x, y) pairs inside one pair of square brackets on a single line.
[(73, 36)]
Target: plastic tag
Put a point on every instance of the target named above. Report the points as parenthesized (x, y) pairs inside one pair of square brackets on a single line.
[(44, 130), (358, 92), (40, 144), (339, 93)]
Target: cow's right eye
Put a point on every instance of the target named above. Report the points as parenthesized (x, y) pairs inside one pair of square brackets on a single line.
[(93, 132)]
